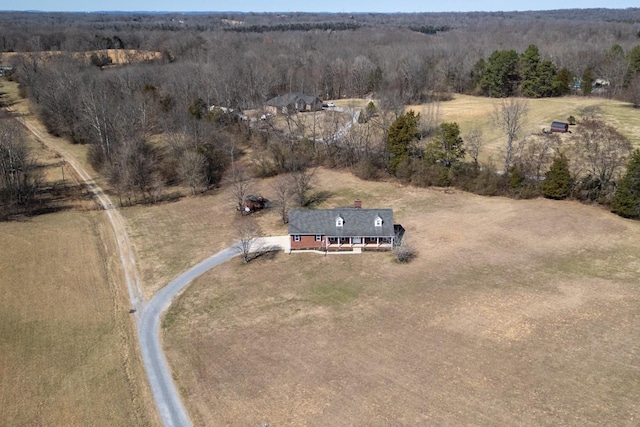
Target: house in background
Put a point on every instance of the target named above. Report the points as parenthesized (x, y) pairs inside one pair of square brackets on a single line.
[(342, 229), (293, 103)]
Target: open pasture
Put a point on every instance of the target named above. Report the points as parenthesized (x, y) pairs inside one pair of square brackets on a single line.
[(513, 313)]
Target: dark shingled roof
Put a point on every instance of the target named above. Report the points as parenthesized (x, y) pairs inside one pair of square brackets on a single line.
[(290, 99), (357, 222)]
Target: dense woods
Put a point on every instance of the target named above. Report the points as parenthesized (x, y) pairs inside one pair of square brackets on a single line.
[(152, 125)]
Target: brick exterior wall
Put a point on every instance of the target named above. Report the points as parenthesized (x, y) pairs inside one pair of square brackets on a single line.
[(306, 242), (309, 242)]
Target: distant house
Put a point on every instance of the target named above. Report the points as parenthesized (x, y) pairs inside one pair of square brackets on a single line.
[(6, 71), (560, 127), (342, 229), (292, 103)]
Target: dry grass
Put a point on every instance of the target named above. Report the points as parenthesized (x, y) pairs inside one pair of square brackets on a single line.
[(171, 237), (67, 341), (514, 313), (476, 112)]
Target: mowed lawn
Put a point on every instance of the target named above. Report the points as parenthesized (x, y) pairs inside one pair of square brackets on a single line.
[(513, 313), (67, 343)]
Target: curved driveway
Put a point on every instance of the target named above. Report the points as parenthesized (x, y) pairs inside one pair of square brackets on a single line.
[(167, 399), (166, 396)]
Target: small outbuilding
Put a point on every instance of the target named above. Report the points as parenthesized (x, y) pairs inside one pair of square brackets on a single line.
[(560, 127)]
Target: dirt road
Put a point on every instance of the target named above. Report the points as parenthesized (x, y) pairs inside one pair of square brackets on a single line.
[(148, 314)]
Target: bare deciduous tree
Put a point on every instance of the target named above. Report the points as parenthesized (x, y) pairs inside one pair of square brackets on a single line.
[(509, 115), (601, 151), (282, 190), (241, 182), (17, 166), (535, 154), (301, 184), (247, 233), (474, 144), (190, 170)]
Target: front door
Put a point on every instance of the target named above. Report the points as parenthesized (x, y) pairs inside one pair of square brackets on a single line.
[(357, 240)]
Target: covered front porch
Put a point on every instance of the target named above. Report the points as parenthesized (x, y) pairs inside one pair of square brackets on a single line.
[(365, 243)]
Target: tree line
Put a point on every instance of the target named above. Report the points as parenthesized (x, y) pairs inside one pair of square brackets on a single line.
[(596, 164), (150, 125)]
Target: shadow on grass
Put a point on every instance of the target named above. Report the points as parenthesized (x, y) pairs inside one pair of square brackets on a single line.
[(318, 197), (266, 253), (48, 199)]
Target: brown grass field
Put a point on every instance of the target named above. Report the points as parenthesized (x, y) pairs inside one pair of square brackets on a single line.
[(513, 313), (67, 343), (68, 354), (476, 112)]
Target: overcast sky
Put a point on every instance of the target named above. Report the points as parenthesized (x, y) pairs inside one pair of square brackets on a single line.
[(308, 5)]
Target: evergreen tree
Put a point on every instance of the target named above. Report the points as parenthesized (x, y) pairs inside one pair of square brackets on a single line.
[(402, 132), (562, 82), (633, 60), (500, 76), (626, 201), (529, 73), (547, 72), (537, 76), (586, 83), (447, 146), (557, 183)]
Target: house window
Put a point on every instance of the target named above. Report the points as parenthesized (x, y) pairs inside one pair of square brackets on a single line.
[(318, 238), (378, 222), (339, 221), (296, 238)]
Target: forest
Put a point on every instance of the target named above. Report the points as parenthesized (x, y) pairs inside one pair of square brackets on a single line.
[(152, 125)]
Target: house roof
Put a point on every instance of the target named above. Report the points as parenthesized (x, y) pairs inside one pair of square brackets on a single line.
[(357, 222), (291, 98)]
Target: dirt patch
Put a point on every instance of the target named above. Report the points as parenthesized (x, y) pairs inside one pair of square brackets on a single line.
[(514, 313)]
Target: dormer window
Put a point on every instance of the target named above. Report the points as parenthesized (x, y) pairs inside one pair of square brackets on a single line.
[(378, 221), (339, 221)]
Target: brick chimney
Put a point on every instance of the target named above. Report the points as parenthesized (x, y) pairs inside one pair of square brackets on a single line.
[(357, 204)]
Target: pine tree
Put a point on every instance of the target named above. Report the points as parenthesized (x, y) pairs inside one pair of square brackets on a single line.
[(529, 65), (402, 132), (557, 183), (562, 82), (626, 201), (500, 76), (586, 83)]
